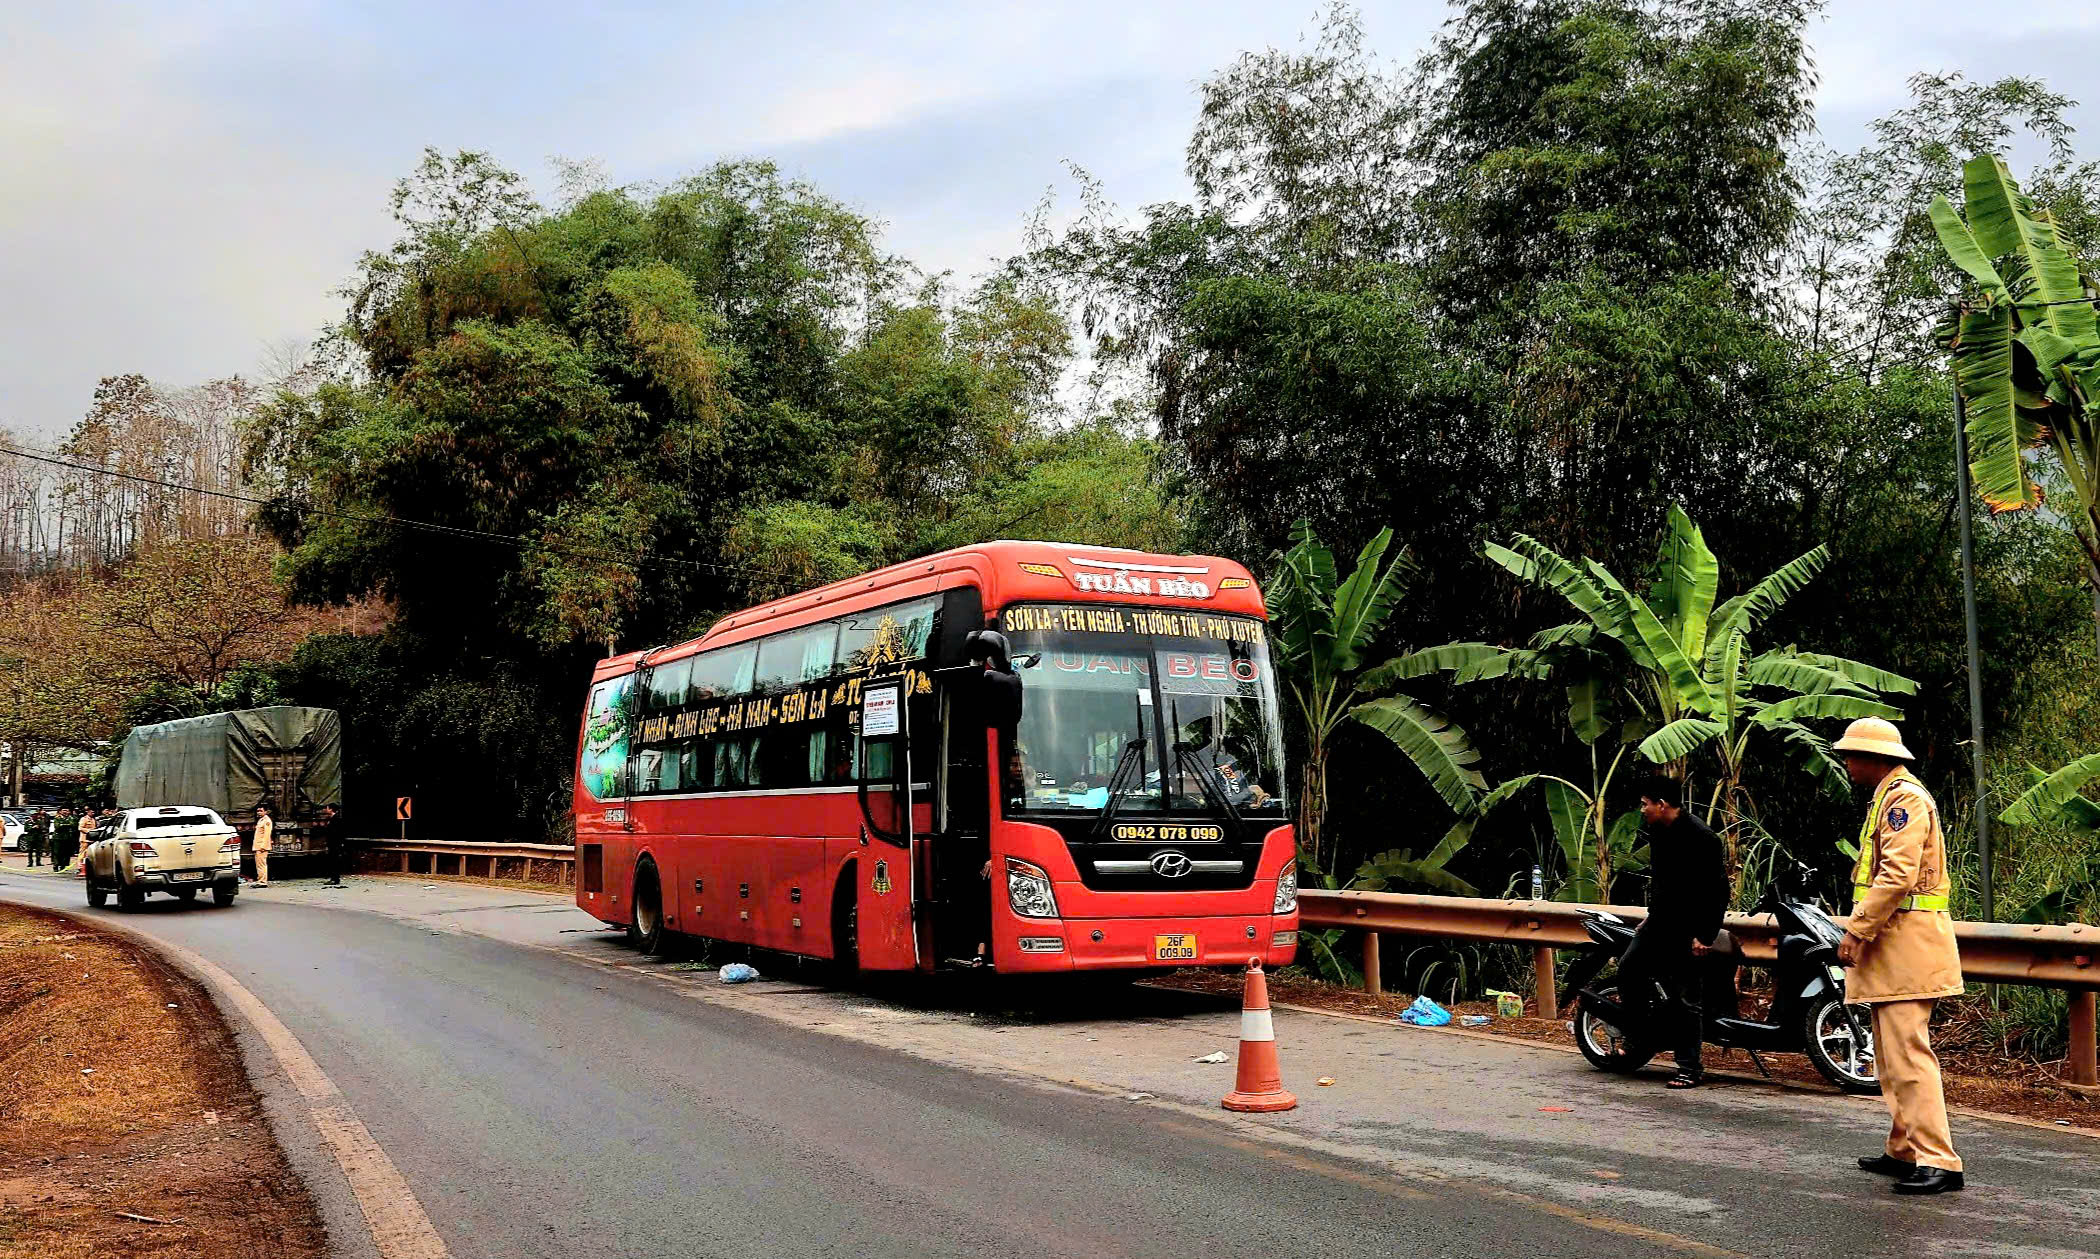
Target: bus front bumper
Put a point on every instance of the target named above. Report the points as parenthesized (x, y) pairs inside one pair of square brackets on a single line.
[(1078, 944)]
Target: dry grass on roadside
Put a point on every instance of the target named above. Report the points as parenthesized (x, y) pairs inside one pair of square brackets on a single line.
[(86, 1043), (121, 1091)]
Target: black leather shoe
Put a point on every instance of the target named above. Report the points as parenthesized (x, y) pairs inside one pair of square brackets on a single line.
[(1887, 1165), (1928, 1180)]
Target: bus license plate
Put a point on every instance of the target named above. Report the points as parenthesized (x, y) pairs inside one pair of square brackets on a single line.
[(1179, 947)]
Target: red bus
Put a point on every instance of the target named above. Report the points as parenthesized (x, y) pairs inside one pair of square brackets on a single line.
[(830, 774)]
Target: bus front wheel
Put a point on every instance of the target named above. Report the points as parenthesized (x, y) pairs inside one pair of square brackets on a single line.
[(645, 929)]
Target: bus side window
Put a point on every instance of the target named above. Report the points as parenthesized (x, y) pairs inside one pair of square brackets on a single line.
[(878, 760), (797, 656), (649, 767), (791, 756), (697, 770), (732, 763), (722, 672), (667, 686), (897, 632)]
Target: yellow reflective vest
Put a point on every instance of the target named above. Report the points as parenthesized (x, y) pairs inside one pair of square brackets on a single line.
[(1900, 899)]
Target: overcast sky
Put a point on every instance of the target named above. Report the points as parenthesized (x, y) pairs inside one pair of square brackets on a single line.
[(186, 184)]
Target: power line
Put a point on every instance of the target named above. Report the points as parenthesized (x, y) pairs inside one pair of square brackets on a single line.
[(452, 531)]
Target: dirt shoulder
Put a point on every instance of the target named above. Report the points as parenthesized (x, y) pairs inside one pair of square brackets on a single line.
[(121, 1091), (1984, 1080)]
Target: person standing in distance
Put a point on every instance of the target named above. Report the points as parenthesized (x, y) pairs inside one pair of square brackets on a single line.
[(264, 828), (331, 845), (36, 836), (1900, 946)]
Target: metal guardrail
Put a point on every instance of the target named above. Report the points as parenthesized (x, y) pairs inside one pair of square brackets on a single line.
[(466, 850), (1997, 952)]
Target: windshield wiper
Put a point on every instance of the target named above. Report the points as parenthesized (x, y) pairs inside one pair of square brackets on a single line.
[(1118, 779), (1133, 754)]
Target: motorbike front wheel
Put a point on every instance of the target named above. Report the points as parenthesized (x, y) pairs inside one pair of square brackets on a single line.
[(1845, 1059), (1603, 1042)]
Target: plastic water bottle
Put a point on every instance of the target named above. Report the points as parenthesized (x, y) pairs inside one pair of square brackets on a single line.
[(1538, 884)]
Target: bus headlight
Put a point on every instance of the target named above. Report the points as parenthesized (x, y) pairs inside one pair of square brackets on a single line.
[(1028, 890), (1286, 890)]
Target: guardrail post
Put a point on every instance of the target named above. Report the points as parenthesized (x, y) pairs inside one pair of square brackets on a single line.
[(2080, 1067), (1542, 983), (1373, 982)]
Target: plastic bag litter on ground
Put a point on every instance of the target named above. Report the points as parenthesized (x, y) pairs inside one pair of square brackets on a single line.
[(1425, 1013), (739, 973), (1473, 1020), (1214, 1058)]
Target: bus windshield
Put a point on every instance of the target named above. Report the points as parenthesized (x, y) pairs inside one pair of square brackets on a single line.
[(1172, 712)]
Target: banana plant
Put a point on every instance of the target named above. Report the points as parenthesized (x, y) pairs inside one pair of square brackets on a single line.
[(2058, 799), (1673, 674), (1322, 628), (2026, 351)]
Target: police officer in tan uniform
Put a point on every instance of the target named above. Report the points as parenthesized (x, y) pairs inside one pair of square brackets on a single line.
[(1900, 946)]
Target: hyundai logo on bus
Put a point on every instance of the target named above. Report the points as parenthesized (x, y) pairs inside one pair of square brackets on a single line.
[(1171, 865), (1171, 581)]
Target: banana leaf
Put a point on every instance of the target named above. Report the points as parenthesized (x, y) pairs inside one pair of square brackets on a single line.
[(1963, 251), (2005, 223), (1748, 610), (1983, 363), (1843, 707), (1865, 675), (1686, 580), (1366, 598), (1691, 688), (1588, 709), (1436, 745), (2055, 798), (1680, 739)]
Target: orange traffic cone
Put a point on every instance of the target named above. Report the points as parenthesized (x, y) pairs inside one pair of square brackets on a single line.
[(1260, 1083)]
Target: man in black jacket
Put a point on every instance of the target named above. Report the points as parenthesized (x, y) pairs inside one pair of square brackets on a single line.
[(1687, 895)]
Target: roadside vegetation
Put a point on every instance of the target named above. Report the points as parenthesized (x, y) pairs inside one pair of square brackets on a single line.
[(1630, 400), (127, 1125)]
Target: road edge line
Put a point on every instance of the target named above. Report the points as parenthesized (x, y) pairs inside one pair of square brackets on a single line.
[(393, 1215)]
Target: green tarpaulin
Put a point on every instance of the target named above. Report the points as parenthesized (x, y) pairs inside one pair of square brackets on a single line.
[(230, 762)]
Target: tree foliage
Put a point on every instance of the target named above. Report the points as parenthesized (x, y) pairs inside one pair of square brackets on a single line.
[(1579, 261)]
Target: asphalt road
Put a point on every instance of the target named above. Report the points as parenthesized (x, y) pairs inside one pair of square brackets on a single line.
[(548, 1104)]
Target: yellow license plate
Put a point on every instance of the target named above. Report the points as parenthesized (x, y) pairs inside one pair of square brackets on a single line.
[(1179, 947)]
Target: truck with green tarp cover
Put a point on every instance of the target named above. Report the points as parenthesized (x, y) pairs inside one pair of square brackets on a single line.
[(290, 758)]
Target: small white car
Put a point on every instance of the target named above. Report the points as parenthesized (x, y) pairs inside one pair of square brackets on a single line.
[(11, 832), (177, 849)]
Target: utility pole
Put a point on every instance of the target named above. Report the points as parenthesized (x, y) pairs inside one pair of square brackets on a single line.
[(1968, 591)]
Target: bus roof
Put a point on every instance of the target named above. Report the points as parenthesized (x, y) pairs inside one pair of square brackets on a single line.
[(1007, 572)]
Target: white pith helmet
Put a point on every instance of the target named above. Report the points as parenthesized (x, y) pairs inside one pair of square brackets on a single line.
[(1875, 736)]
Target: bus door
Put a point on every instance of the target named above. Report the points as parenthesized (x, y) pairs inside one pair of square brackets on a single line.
[(962, 845), (891, 919)]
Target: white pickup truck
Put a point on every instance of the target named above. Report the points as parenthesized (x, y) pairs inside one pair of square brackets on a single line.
[(177, 849)]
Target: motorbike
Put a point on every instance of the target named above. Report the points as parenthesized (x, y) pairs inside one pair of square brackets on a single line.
[(1809, 1013)]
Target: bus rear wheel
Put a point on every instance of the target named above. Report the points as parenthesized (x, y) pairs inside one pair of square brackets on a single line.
[(645, 928), (845, 929)]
